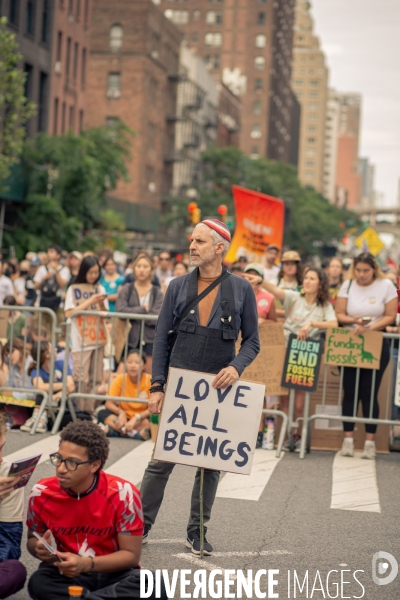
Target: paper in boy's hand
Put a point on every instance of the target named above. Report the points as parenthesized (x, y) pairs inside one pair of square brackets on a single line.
[(23, 468), (45, 544)]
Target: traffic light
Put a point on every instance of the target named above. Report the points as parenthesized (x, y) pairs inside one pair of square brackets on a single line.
[(223, 212), (194, 213)]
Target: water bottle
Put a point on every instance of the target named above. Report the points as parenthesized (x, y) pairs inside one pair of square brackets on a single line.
[(75, 591), (271, 434), (265, 434)]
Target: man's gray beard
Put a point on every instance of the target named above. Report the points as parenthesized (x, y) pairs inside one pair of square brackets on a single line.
[(203, 261)]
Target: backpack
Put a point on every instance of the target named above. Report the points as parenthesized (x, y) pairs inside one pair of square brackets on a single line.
[(50, 293)]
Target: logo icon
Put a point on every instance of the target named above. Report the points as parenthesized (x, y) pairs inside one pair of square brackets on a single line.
[(380, 568)]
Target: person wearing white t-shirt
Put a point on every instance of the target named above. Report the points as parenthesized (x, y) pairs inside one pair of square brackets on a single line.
[(6, 286), (271, 270), (366, 302), (88, 360), (307, 314)]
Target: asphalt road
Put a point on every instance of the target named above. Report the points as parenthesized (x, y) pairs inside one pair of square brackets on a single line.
[(290, 528)]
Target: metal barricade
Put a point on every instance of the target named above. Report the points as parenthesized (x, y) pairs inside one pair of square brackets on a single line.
[(40, 312), (102, 318), (308, 419)]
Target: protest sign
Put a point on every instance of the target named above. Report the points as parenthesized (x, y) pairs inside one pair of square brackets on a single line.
[(344, 348), (302, 363), (267, 367), (259, 221), (3, 324), (91, 328), (204, 427)]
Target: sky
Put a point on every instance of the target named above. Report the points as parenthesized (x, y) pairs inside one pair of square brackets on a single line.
[(361, 39)]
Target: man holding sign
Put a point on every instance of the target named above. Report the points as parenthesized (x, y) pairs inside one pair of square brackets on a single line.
[(203, 312)]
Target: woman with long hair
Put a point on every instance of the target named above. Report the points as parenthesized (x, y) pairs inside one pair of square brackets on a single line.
[(86, 294), (307, 314), (141, 297), (366, 302)]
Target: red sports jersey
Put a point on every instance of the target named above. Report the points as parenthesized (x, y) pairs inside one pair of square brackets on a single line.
[(87, 525)]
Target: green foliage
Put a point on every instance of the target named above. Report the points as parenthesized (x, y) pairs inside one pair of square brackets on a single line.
[(68, 177), (14, 108), (312, 219)]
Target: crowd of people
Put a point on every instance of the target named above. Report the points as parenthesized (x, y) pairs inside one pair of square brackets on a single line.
[(306, 298)]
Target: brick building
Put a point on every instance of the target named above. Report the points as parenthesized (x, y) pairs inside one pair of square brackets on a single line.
[(32, 23), (133, 72), (348, 178), (69, 65), (229, 117), (247, 46)]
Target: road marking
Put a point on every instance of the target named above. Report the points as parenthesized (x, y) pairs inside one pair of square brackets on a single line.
[(45, 446), (354, 485), (192, 558), (132, 465), (250, 487), (176, 541)]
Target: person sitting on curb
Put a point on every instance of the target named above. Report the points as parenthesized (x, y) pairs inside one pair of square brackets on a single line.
[(12, 572), (129, 419), (96, 520)]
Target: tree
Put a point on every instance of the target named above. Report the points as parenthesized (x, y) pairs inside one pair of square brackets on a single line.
[(68, 178), (15, 110), (312, 219)]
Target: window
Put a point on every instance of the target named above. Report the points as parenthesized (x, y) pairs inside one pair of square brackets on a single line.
[(86, 14), (13, 12), (196, 15), (68, 57), (81, 117), (310, 152), (258, 84), (114, 85), (212, 61), (261, 18), (28, 70), (213, 39), (311, 129), (71, 117), (261, 41), (30, 18), (255, 132), (45, 22), (255, 152), (116, 37), (55, 116), (83, 68), (42, 108), (314, 82), (111, 121), (298, 82), (214, 17), (180, 17), (259, 63), (313, 95), (78, 9), (312, 117), (70, 6), (76, 51), (309, 174), (257, 109), (310, 163), (195, 36), (59, 46), (312, 106), (311, 140), (63, 115)]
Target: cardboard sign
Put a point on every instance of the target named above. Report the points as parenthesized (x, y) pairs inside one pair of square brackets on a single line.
[(302, 363), (91, 328), (204, 427), (3, 324), (344, 348), (268, 366), (7, 398)]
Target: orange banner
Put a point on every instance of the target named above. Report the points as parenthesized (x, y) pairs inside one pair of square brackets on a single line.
[(259, 222)]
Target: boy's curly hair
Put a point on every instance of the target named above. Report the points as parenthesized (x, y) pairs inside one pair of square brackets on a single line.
[(90, 436)]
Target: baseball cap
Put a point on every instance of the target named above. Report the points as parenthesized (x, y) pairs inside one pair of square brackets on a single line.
[(255, 267), (76, 254), (291, 255), (35, 262)]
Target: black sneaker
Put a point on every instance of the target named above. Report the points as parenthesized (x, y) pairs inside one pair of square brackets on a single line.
[(146, 532), (193, 542)]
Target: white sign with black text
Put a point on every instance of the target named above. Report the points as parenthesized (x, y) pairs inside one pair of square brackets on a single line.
[(204, 427)]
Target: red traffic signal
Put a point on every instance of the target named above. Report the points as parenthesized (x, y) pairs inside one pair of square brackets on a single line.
[(222, 209), (192, 207)]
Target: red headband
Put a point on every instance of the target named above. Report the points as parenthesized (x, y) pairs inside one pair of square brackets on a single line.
[(219, 227)]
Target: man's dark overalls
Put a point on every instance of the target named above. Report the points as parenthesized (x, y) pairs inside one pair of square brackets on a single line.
[(197, 348)]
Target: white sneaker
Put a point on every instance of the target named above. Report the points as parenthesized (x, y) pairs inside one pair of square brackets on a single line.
[(27, 426), (369, 451), (347, 448), (42, 425)]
